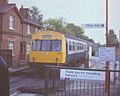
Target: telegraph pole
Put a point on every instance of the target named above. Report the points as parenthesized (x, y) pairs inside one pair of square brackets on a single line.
[(106, 23)]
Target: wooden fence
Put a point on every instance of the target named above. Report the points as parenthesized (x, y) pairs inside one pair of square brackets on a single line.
[(7, 56)]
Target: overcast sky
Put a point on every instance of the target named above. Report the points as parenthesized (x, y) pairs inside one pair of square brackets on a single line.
[(79, 12)]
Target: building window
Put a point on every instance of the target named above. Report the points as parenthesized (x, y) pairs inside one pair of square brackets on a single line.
[(36, 29), (11, 22), (11, 46), (28, 49), (28, 29)]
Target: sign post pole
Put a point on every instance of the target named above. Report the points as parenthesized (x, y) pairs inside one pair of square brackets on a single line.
[(107, 63)]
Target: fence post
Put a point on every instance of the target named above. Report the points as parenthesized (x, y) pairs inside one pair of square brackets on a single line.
[(109, 85), (107, 77), (53, 79), (46, 81), (4, 78)]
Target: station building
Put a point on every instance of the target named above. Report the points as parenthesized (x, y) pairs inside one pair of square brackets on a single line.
[(16, 27)]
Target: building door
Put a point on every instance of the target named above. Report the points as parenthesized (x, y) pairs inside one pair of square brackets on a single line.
[(22, 50)]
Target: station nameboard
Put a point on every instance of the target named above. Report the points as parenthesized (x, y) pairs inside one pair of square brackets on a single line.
[(81, 74)]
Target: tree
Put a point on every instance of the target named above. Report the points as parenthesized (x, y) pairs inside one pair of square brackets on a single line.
[(69, 28), (91, 40), (36, 15), (112, 38), (54, 24), (76, 30)]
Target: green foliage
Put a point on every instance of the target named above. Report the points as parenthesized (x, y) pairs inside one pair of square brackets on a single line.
[(69, 28), (54, 24), (36, 15), (76, 30), (112, 41)]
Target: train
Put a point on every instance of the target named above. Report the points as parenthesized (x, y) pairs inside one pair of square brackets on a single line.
[(55, 48)]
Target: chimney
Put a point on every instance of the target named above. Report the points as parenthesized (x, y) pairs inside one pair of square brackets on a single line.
[(24, 12), (3, 1)]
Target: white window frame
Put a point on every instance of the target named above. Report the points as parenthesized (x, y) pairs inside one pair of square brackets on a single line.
[(28, 49), (11, 45), (28, 29), (36, 29), (11, 22)]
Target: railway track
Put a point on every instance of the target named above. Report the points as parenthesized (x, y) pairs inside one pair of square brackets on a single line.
[(24, 80)]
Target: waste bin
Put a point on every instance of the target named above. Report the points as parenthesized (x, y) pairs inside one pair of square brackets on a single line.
[(4, 78)]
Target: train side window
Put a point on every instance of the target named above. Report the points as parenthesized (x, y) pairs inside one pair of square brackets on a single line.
[(56, 45), (73, 45), (45, 45), (80, 46), (70, 46), (77, 46), (36, 45), (67, 47)]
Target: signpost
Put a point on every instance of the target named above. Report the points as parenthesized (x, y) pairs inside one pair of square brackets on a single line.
[(107, 63), (93, 25)]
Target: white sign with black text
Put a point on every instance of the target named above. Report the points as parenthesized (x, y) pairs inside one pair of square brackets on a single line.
[(81, 74), (107, 54)]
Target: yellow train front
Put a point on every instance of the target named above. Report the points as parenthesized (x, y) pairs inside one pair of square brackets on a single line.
[(48, 47)]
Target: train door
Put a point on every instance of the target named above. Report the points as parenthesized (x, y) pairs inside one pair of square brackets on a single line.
[(66, 47)]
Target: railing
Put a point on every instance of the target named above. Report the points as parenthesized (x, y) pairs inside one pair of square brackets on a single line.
[(55, 86)]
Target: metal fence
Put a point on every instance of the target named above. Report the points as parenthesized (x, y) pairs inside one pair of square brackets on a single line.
[(7, 56), (55, 86)]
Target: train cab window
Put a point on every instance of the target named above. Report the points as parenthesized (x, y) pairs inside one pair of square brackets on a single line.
[(36, 45), (45, 45), (56, 45)]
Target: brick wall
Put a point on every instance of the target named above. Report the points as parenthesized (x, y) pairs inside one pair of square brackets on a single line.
[(0, 29), (19, 34), (17, 20), (3, 1), (12, 35)]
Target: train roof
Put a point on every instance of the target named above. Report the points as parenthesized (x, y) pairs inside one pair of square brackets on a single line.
[(71, 37), (74, 37)]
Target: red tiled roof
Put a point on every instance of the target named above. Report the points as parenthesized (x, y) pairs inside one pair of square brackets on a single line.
[(6, 7), (30, 22)]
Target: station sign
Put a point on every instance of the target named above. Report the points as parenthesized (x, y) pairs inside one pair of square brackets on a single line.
[(70, 74), (107, 54), (94, 25)]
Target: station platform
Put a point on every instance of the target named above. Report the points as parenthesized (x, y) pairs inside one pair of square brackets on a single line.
[(13, 70)]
